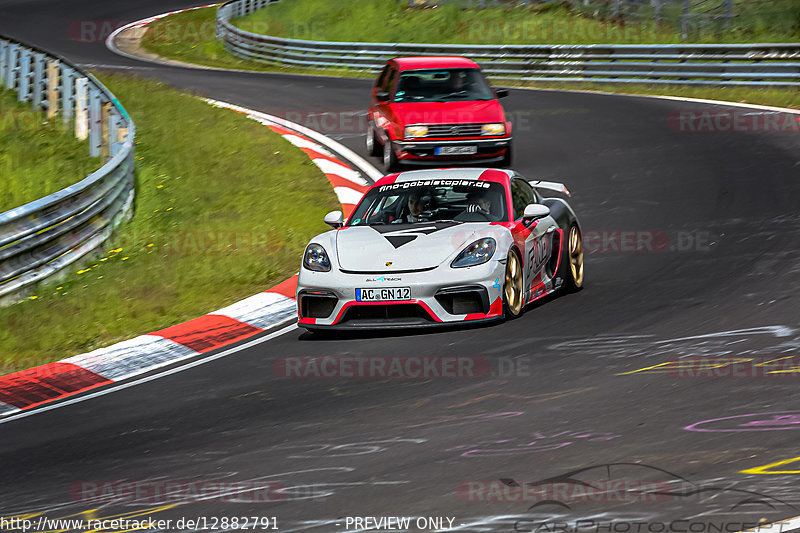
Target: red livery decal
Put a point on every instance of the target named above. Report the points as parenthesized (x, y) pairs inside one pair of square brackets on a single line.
[(496, 309), (494, 175)]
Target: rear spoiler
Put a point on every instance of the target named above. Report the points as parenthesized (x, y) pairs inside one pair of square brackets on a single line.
[(550, 186)]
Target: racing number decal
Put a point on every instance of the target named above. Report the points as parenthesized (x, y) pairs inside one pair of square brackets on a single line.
[(539, 252)]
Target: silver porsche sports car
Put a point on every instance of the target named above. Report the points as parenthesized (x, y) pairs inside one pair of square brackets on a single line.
[(443, 246)]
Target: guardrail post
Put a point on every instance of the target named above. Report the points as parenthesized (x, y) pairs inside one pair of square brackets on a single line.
[(728, 13), (685, 19), (3, 60), (52, 88), (81, 108), (38, 81), (95, 123), (23, 87), (11, 66), (114, 144), (105, 128), (67, 95)]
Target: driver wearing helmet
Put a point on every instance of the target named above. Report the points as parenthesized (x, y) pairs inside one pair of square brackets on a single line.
[(479, 208), (416, 205)]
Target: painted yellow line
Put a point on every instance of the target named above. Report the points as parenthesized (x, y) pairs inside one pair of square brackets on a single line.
[(768, 469)]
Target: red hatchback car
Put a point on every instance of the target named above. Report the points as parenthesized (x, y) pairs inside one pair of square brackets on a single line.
[(437, 110)]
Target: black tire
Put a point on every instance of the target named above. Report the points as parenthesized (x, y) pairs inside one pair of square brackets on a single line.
[(390, 163), (513, 297), (508, 159), (373, 146), (571, 267)]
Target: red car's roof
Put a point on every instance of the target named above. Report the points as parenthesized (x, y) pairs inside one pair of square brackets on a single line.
[(410, 63)]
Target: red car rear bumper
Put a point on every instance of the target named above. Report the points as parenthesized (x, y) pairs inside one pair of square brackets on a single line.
[(422, 151)]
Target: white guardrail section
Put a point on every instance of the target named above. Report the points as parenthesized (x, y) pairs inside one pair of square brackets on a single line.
[(43, 237), (711, 64)]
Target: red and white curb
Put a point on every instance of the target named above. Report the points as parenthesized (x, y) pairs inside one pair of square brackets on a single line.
[(149, 20), (34, 387), (348, 184)]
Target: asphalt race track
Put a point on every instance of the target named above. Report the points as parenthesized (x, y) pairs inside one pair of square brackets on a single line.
[(717, 215)]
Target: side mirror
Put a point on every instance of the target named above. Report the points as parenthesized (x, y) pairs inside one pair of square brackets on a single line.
[(501, 93), (382, 96), (534, 212), (335, 219)]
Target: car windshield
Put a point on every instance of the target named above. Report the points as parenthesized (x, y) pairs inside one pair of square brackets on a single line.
[(422, 201), (442, 85)]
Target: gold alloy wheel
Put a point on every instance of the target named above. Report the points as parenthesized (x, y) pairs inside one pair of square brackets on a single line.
[(576, 255), (513, 286)]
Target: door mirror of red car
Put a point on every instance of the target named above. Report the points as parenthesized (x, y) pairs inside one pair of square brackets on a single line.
[(501, 93), (534, 212), (382, 96), (334, 219)]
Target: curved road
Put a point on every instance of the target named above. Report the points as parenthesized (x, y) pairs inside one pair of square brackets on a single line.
[(718, 211)]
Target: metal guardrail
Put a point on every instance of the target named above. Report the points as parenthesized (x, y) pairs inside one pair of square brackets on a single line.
[(705, 64), (43, 237)]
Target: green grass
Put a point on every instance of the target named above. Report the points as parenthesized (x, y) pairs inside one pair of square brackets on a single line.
[(542, 23), (37, 157), (205, 177)]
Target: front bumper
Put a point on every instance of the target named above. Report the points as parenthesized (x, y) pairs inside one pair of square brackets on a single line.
[(440, 296), (423, 150)]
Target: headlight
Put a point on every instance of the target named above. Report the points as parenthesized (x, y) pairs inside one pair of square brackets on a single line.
[(476, 253), (316, 259), (493, 129), (416, 131)]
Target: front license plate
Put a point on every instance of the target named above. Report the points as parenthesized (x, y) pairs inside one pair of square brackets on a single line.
[(456, 150), (377, 295)]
